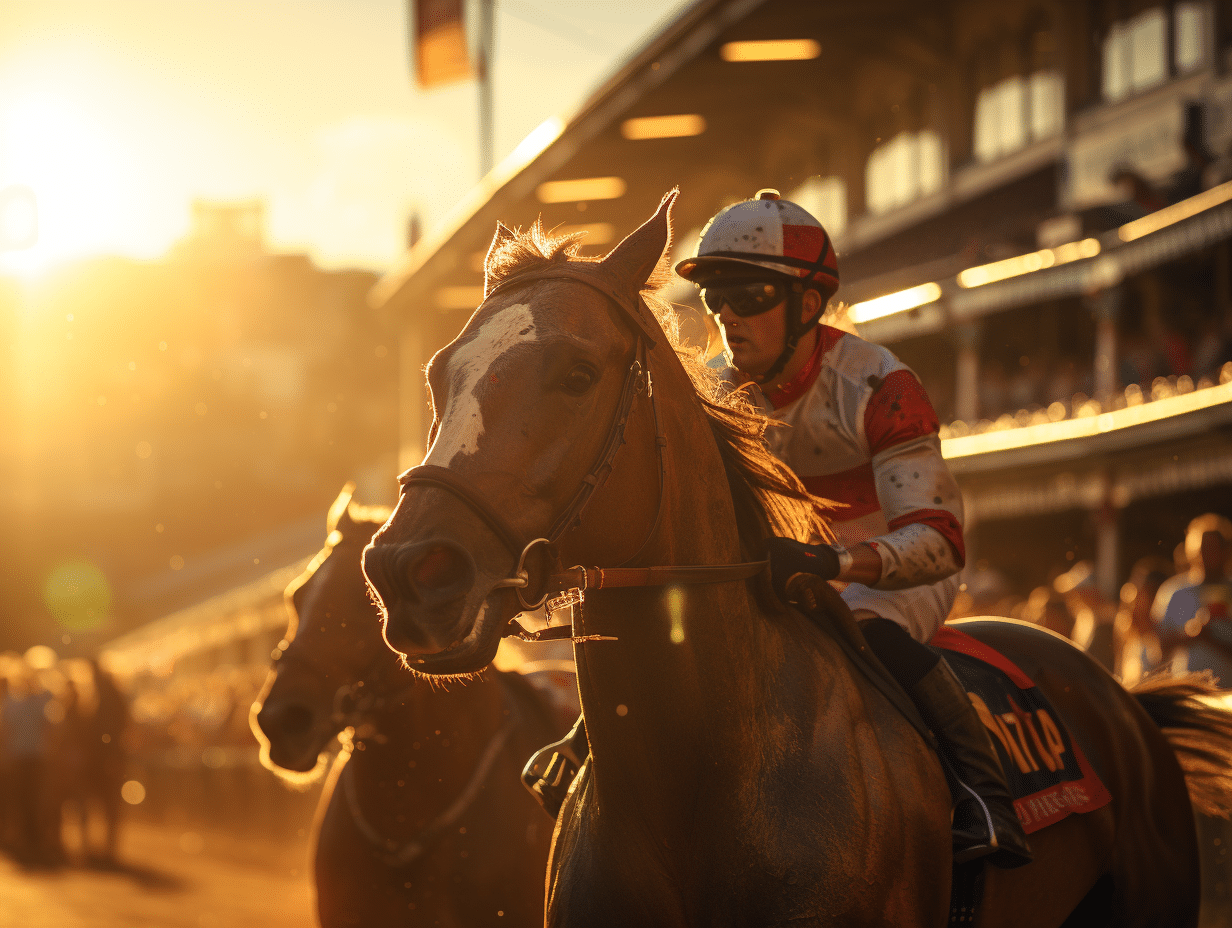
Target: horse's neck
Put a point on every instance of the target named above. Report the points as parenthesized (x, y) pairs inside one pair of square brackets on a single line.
[(690, 669), (426, 745)]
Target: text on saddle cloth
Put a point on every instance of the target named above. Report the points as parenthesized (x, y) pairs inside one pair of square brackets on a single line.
[(1048, 775)]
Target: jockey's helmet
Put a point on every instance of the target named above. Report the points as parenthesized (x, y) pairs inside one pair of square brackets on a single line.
[(766, 233), (764, 240)]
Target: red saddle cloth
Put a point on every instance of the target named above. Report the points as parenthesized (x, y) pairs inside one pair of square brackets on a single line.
[(1048, 774)]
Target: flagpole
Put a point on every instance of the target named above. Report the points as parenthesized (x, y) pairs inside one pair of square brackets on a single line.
[(483, 72)]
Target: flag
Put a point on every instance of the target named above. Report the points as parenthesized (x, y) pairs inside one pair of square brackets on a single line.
[(439, 39)]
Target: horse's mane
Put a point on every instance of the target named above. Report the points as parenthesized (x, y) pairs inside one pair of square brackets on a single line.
[(768, 497)]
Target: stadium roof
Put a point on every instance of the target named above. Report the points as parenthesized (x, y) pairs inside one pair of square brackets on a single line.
[(730, 97)]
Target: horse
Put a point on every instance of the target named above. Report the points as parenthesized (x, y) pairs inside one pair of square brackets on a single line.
[(743, 769), (422, 818)]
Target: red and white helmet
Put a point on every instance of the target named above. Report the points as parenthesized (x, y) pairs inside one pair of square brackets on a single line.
[(765, 233)]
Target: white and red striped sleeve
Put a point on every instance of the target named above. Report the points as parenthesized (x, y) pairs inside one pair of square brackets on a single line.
[(919, 497)]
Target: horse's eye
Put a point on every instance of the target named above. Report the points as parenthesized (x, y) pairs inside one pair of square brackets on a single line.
[(578, 380)]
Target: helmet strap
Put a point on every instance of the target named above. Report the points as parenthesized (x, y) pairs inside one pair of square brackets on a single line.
[(796, 327)]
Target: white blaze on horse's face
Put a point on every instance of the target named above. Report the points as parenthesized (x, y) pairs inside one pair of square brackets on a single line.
[(469, 367)]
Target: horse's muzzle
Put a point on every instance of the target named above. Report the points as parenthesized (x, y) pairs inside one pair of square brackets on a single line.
[(422, 587), (291, 730)]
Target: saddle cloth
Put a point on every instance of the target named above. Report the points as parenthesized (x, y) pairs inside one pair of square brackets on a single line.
[(1048, 775)]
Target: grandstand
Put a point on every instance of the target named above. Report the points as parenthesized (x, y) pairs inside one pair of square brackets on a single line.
[(1032, 206)]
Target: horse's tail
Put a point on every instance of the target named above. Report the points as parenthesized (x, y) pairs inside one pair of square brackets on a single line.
[(1199, 731)]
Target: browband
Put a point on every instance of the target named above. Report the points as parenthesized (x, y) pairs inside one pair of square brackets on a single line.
[(632, 304)]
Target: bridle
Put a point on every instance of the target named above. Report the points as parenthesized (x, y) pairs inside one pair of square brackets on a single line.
[(405, 853), (637, 381), (573, 583)]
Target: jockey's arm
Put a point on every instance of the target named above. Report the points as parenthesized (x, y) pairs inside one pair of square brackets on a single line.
[(918, 495)]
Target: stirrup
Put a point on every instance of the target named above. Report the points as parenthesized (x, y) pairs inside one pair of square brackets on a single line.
[(549, 782), (1002, 845)]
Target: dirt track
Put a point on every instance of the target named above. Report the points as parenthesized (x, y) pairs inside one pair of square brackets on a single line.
[(168, 878), (179, 878)]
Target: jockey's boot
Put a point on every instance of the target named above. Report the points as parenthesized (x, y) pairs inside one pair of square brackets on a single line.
[(550, 770), (984, 822)]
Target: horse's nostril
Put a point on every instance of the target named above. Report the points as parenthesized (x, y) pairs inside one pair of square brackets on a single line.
[(440, 568), (293, 719)]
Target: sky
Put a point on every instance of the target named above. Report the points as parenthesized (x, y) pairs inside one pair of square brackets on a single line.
[(116, 114)]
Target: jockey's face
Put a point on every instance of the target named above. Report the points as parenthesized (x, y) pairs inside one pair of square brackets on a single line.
[(754, 342)]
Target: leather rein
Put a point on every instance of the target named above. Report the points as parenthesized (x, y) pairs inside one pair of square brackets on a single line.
[(405, 853), (572, 584)]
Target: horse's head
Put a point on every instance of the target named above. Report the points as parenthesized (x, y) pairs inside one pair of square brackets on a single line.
[(335, 643), (526, 401)]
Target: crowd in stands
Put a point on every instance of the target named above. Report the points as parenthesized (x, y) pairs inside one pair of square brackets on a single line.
[(1173, 322), (1172, 616), (1152, 367), (62, 757)]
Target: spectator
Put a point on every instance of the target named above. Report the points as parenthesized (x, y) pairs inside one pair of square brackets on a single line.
[(1063, 382), (1047, 608), (25, 721), (1142, 360), (1136, 189), (986, 591), (1190, 180), (1211, 350), (106, 760), (1093, 615), (1137, 641), (1194, 622)]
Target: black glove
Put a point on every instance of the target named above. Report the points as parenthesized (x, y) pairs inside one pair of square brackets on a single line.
[(788, 558)]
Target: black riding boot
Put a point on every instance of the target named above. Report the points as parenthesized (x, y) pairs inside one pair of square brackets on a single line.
[(984, 821), (550, 770)]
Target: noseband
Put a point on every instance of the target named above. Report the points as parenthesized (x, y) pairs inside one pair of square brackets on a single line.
[(577, 580)]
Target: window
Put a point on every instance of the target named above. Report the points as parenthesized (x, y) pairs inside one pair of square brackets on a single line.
[(1015, 111), (1000, 119), (905, 168), (1046, 91), (1190, 28), (825, 198), (1136, 50)]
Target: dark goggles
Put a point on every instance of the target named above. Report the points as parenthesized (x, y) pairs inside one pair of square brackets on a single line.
[(748, 298)]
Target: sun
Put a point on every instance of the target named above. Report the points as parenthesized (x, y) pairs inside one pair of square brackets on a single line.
[(76, 173)]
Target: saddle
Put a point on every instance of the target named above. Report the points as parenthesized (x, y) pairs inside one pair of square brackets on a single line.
[(1048, 775)]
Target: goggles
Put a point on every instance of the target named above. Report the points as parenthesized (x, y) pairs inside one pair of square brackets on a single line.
[(747, 298)]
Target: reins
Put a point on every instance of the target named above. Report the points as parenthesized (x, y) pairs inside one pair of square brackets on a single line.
[(395, 854), (571, 584)]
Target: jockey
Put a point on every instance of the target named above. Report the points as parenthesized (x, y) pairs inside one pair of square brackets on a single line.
[(861, 432)]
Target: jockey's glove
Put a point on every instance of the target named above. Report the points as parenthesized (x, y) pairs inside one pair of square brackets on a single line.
[(789, 558)]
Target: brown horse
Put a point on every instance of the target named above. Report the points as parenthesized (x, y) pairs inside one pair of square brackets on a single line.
[(423, 819), (743, 770)]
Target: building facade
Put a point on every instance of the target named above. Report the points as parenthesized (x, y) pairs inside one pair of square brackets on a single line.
[(1031, 206)]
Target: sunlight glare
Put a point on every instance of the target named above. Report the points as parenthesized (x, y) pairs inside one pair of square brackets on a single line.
[(675, 608), (18, 218), (85, 181)]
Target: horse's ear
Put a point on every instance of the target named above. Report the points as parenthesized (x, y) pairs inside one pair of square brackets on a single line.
[(503, 234), (339, 518), (636, 258)]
